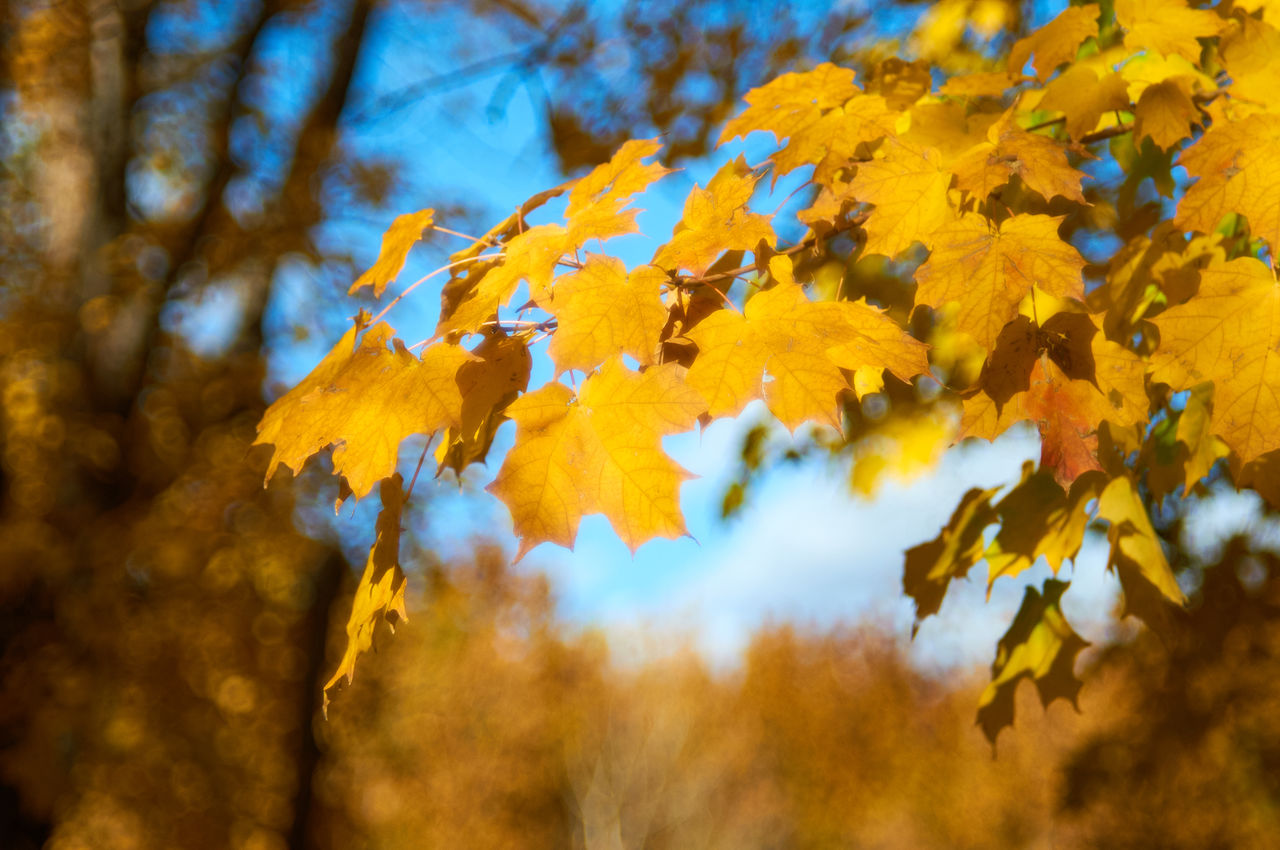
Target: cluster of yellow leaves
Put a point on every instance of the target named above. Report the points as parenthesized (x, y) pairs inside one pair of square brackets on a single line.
[(984, 188)]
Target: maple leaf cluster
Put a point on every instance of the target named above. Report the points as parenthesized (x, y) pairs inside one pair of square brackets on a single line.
[(1141, 369)]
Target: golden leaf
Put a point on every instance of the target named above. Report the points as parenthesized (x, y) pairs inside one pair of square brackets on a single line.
[(1229, 333), (380, 594), (931, 566), (602, 311), (488, 385), (792, 103), (1038, 518), (1040, 161), (597, 210), (989, 269), (396, 242), (1169, 27), (1165, 113), (1238, 164), (715, 220), (1039, 645), (598, 453), (1056, 42), (1136, 555), (908, 187), (1083, 98), (365, 402), (790, 351)]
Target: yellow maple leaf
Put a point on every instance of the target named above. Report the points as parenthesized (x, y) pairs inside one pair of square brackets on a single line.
[(982, 84), (1136, 554), (1083, 98), (1238, 164), (598, 209), (365, 401), (396, 242), (1039, 645), (380, 594), (598, 453), (1165, 113), (931, 566), (1229, 333), (715, 220), (1039, 160), (908, 187), (793, 102), (833, 139), (989, 269), (1169, 27), (602, 311), (789, 351), (1056, 42), (1038, 518), (1251, 55), (487, 384)]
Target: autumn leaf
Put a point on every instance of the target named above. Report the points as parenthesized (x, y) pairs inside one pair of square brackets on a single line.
[(602, 312), (1229, 333), (715, 220), (598, 209), (487, 384), (908, 187), (988, 269), (1067, 378), (1039, 645), (1039, 519), (790, 351), (1238, 164), (365, 402), (1137, 557), (1056, 42), (380, 594), (1168, 27), (1040, 161), (1165, 113), (396, 242), (600, 452), (931, 566), (792, 103), (1083, 98)]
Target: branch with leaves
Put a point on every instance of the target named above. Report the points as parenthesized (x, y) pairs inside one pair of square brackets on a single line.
[(1138, 383)]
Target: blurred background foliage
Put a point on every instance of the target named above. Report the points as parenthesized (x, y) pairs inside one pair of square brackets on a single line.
[(165, 625)]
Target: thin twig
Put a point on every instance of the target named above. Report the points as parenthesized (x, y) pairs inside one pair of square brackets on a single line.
[(409, 493), (423, 280), (483, 239)]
